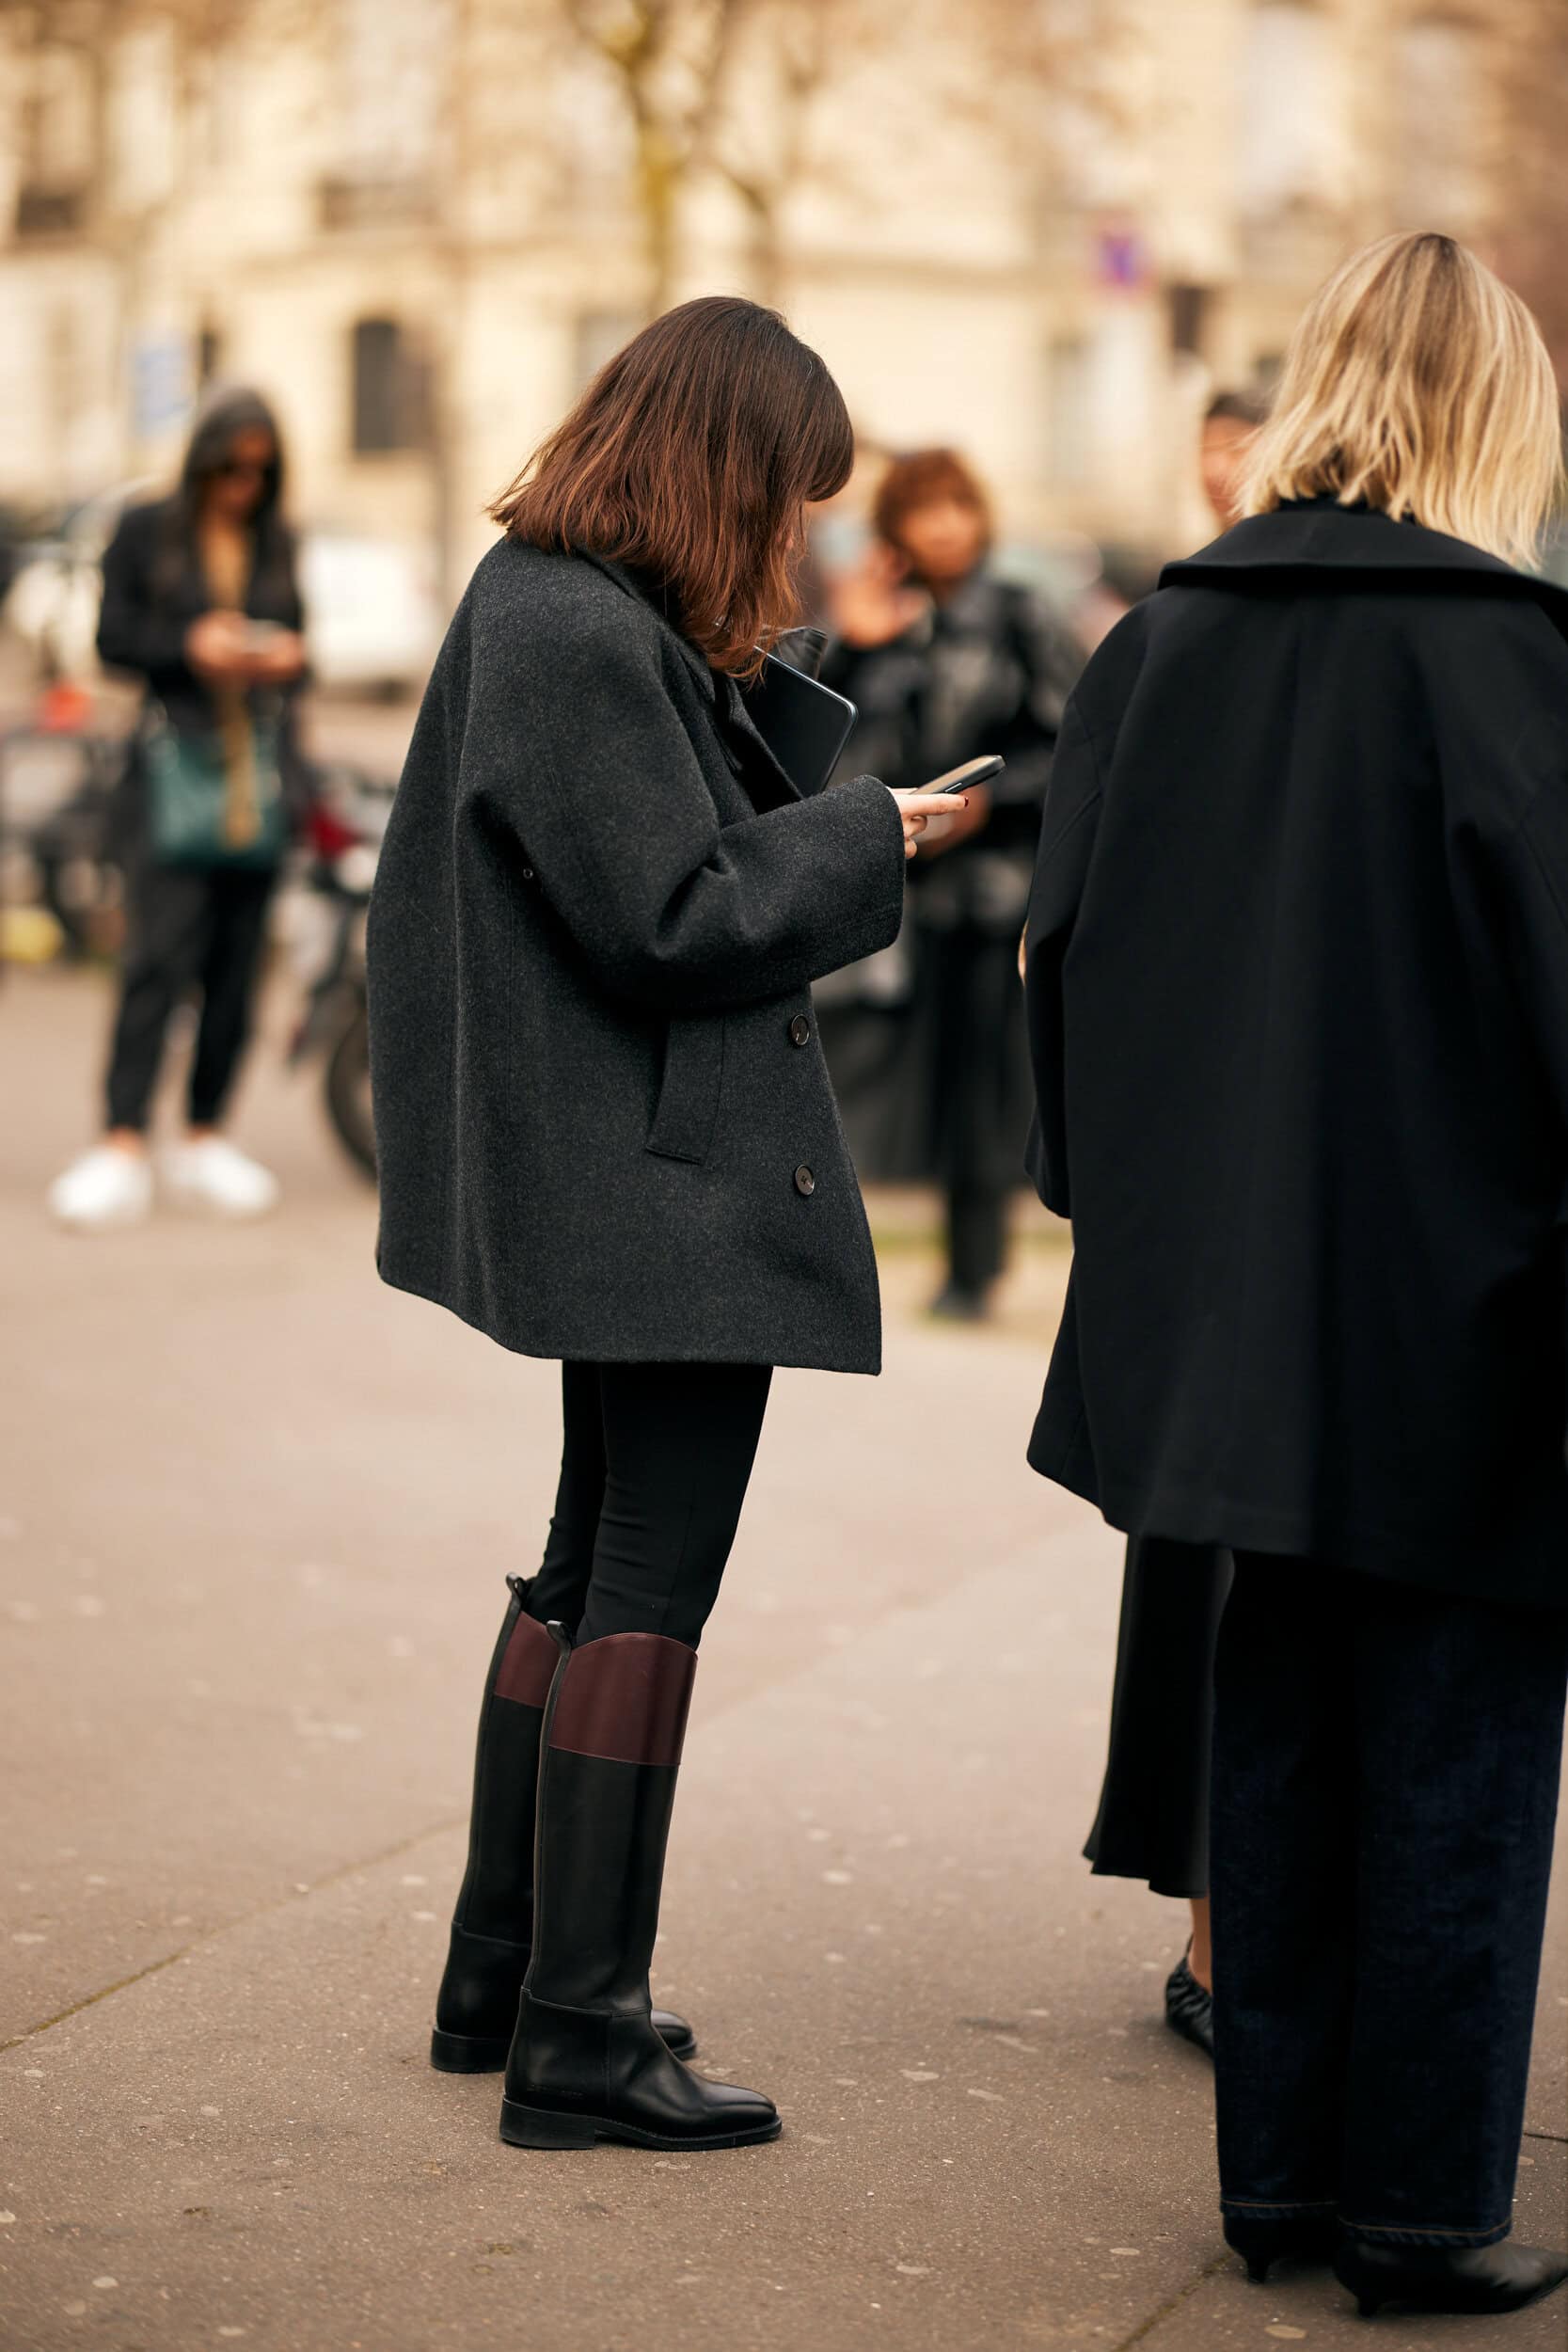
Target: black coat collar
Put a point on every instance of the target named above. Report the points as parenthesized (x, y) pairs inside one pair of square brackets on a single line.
[(644, 591), (767, 783), (1317, 539)]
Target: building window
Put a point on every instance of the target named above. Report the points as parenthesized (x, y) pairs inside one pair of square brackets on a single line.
[(55, 139), (209, 356), (1188, 308), (1292, 123), (1069, 411), (1438, 130), (390, 389)]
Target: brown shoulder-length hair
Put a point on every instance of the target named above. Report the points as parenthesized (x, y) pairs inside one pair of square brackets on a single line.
[(925, 477), (692, 458)]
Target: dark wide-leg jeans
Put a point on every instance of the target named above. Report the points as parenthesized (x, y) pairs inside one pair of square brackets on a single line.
[(655, 1464), (1386, 1773)]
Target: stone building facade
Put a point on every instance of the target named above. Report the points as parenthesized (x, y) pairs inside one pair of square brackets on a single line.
[(412, 222)]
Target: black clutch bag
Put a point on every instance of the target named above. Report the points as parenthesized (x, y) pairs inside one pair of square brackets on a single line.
[(803, 725)]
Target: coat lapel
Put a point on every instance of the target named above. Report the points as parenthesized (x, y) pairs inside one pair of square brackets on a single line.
[(762, 779), (1319, 540)]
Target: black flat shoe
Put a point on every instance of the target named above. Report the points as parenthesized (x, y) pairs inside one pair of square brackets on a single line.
[(1264, 2240), (1190, 2010), (1477, 2280)]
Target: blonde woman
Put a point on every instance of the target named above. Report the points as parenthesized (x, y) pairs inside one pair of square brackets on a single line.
[(1298, 992)]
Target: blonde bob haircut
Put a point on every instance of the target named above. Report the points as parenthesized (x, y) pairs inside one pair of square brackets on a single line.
[(1418, 384)]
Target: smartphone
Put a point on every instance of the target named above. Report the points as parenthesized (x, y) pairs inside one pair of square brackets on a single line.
[(973, 771)]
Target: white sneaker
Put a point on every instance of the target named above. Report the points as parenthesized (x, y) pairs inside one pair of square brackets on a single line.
[(105, 1187), (216, 1179)]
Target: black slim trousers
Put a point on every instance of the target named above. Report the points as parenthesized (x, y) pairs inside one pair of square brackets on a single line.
[(186, 930), (970, 1026), (653, 1471), (1385, 1793)]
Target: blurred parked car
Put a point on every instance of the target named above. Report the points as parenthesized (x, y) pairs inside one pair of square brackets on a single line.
[(375, 616)]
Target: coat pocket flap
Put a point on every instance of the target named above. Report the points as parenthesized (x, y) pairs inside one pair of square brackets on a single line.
[(687, 1107)]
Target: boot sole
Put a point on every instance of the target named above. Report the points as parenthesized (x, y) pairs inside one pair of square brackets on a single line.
[(538, 2127), (487, 2054), (1431, 2302), (467, 2052), (1411, 2300)]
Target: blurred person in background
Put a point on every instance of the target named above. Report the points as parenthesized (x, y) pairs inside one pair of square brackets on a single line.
[(200, 601), (944, 660), (1298, 997), (1153, 1818), (1231, 424), (605, 1136)]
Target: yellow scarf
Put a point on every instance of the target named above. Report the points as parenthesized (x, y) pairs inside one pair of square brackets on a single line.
[(226, 561)]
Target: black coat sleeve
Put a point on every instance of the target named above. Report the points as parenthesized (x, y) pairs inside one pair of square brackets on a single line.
[(1531, 862), (1066, 842), (136, 630), (1500, 724), (1051, 659), (576, 751)]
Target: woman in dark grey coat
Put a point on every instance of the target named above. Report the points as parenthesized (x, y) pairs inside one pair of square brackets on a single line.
[(1298, 997), (606, 1135)]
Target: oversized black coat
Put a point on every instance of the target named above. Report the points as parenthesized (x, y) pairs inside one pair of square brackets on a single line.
[(1298, 998), (604, 1125)]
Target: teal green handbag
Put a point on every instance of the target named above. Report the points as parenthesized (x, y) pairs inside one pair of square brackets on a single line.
[(187, 793)]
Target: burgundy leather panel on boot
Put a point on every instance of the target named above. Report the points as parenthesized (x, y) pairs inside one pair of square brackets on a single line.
[(625, 1698), (527, 1667)]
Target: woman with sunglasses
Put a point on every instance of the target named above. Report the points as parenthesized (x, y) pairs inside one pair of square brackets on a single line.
[(200, 601)]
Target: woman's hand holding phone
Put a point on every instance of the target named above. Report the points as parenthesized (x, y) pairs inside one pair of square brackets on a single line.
[(918, 808), (948, 797)]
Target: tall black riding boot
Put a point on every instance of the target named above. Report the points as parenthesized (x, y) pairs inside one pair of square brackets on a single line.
[(491, 1927), (587, 2062)]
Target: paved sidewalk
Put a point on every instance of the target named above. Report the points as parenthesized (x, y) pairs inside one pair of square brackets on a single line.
[(254, 1516)]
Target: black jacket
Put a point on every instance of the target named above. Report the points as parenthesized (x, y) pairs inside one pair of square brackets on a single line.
[(604, 1124), (988, 671), (153, 589), (1298, 997)]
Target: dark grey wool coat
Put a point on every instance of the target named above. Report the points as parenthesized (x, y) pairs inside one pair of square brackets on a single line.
[(603, 1121), (1298, 997)]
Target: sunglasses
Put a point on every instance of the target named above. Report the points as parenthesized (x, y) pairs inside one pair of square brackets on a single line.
[(242, 469)]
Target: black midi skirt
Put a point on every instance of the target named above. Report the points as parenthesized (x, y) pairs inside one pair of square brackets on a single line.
[(1153, 1818)]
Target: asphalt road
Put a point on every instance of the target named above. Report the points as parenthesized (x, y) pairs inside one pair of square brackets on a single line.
[(255, 1513)]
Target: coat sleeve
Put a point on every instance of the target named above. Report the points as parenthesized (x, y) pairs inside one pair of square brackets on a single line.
[(134, 631), (1067, 841), (580, 757), (1051, 659), (1534, 863)]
